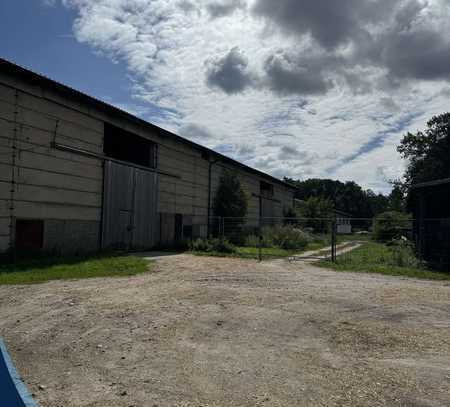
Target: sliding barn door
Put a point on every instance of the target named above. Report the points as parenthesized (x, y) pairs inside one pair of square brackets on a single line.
[(129, 207)]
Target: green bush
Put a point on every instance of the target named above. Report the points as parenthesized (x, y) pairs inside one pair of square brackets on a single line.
[(390, 225), (212, 245), (201, 245), (403, 254), (286, 237), (223, 246)]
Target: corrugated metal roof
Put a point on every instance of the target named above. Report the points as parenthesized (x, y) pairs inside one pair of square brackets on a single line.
[(26, 74)]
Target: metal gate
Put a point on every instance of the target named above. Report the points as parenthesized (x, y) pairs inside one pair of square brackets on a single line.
[(130, 218)]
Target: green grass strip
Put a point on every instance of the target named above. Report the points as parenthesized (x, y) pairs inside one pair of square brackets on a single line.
[(377, 258), (267, 252), (42, 270)]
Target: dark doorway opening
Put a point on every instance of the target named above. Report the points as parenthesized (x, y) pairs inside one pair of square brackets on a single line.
[(29, 234)]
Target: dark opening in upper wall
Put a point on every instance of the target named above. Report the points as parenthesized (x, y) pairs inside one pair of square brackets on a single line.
[(125, 146), (266, 189)]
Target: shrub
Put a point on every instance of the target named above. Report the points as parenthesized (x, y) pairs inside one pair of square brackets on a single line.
[(222, 246), (213, 245), (403, 254), (389, 225), (286, 237), (200, 245)]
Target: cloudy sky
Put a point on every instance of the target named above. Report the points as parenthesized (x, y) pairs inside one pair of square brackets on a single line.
[(296, 88)]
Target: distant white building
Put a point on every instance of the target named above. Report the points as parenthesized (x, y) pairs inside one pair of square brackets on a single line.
[(343, 223)]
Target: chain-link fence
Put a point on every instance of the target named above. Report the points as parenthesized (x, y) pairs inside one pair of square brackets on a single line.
[(392, 240), (270, 237), (375, 241), (265, 237)]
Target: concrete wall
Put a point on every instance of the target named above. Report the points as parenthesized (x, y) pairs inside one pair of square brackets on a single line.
[(65, 189), (6, 134)]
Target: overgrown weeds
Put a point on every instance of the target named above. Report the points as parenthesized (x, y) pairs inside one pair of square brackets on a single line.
[(396, 259)]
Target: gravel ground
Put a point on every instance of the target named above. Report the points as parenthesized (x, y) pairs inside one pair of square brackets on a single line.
[(225, 332)]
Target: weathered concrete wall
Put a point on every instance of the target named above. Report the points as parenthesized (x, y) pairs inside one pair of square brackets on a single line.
[(60, 186), (7, 97), (67, 236), (57, 187)]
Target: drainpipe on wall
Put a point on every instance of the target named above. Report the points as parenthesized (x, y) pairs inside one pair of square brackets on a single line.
[(211, 163)]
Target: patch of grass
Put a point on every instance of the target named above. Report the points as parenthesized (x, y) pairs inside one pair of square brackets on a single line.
[(378, 258), (317, 246), (248, 253), (42, 270), (267, 252), (253, 252)]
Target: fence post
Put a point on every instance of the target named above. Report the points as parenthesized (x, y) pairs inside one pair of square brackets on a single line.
[(333, 241), (260, 238)]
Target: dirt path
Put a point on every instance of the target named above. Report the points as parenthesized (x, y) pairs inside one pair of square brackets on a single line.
[(325, 253), (226, 332)]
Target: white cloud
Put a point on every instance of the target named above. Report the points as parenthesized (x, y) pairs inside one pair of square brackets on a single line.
[(344, 123)]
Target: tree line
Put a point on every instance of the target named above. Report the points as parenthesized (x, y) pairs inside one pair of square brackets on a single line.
[(428, 158), (347, 197), (427, 154)]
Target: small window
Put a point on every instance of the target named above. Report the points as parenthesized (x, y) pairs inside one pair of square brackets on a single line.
[(29, 234), (125, 146), (266, 189)]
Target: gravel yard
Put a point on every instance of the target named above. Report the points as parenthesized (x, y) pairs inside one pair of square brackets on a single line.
[(199, 331)]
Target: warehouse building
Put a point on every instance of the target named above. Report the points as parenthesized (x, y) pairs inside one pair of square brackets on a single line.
[(77, 174)]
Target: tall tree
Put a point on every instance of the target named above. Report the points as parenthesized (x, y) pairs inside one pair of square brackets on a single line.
[(316, 207), (317, 210), (427, 152), (378, 203), (396, 198), (230, 200)]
